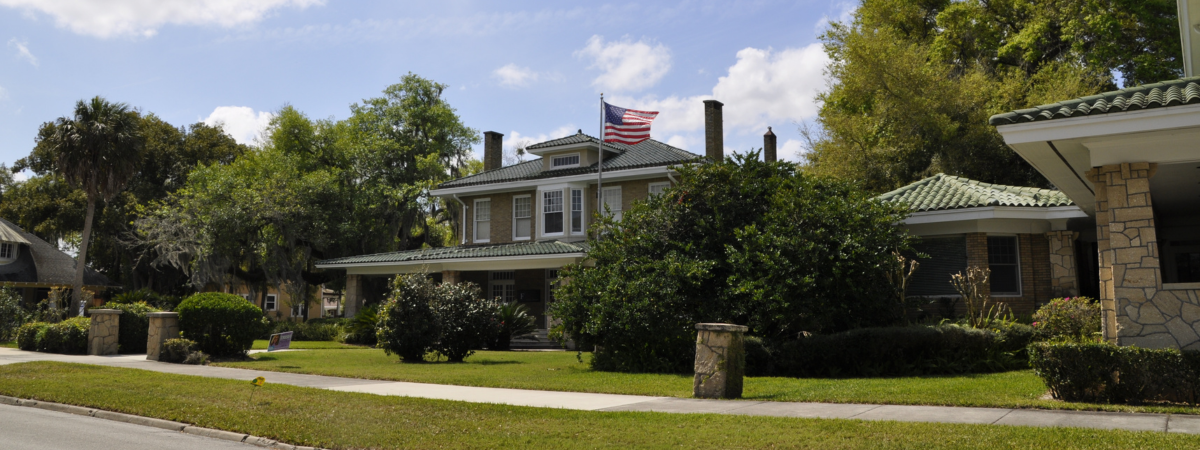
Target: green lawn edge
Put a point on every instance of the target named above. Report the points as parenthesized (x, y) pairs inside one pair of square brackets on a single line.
[(340, 420), (564, 371)]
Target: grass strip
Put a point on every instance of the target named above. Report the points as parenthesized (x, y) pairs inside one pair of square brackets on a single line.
[(563, 371), (339, 420), (8, 344)]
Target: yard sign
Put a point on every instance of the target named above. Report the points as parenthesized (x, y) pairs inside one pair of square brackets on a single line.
[(280, 341)]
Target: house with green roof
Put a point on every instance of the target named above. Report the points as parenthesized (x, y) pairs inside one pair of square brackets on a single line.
[(1020, 233), (1130, 159), (525, 221)]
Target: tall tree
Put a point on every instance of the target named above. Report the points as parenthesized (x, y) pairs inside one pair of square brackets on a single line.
[(97, 150), (912, 83)]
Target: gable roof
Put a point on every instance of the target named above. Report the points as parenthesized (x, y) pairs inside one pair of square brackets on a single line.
[(535, 248), (648, 153), (943, 192), (1184, 91), (40, 262)]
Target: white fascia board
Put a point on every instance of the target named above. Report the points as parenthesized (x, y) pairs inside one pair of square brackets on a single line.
[(446, 261), (525, 185), (996, 212), (1124, 122), (566, 147)]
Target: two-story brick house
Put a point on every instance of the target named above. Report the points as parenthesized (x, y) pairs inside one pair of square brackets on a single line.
[(524, 222)]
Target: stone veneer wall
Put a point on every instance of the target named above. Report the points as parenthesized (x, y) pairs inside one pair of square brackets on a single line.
[(104, 330), (1064, 280), (1136, 309)]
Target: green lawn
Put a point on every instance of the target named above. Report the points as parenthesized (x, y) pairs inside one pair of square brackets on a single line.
[(8, 344), (338, 420), (562, 371), (261, 344)]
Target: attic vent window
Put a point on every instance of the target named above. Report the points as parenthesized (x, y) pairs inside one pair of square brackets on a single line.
[(6, 251), (564, 161)]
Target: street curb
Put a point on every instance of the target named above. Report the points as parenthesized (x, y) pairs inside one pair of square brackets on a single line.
[(155, 423)]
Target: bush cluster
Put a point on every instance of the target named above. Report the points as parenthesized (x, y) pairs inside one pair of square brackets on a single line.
[(149, 297), (69, 336), (514, 321), (1075, 319), (182, 351), (740, 241), (12, 316), (312, 330), (133, 325), (1105, 373), (360, 329), (221, 324), (892, 351), (421, 316)]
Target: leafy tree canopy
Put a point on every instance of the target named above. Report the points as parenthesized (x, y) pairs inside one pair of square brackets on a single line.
[(913, 83)]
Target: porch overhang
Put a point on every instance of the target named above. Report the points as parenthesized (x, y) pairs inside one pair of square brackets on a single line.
[(512, 256), (992, 219)]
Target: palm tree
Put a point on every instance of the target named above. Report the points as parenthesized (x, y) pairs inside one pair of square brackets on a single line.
[(97, 150)]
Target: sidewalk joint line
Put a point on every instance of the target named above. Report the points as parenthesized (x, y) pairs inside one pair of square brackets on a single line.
[(867, 411), (998, 419)]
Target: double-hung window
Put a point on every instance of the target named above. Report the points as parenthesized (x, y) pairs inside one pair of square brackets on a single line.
[(552, 212), (576, 211), (658, 188), (611, 199), (483, 219), (522, 217), (299, 310), (1004, 263), (503, 285), (7, 250), (269, 303)]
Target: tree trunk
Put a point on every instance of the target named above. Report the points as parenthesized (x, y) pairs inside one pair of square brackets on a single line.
[(81, 262)]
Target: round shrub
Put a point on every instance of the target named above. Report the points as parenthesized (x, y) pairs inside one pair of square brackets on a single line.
[(221, 324), (69, 336), (27, 335), (133, 325), (407, 325), (467, 320), (1075, 319)]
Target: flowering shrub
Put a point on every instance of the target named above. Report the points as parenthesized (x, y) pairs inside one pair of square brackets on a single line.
[(1074, 319)]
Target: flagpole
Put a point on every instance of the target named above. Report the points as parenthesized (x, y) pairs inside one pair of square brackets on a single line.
[(600, 166)]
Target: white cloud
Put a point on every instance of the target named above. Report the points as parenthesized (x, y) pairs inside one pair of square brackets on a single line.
[(144, 17), (845, 16), (23, 51), (22, 175), (513, 76), (792, 150), (628, 66), (515, 137), (241, 122)]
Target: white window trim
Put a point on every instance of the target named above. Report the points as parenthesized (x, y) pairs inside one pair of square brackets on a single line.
[(1020, 282), (303, 310), (542, 214), (514, 218), (582, 211), (650, 187), (273, 300), (12, 250), (475, 222), (579, 159), (509, 282), (620, 200)]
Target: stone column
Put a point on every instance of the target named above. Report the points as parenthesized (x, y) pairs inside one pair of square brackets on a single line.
[(1064, 281), (163, 326), (354, 297), (102, 336), (451, 276), (720, 360)]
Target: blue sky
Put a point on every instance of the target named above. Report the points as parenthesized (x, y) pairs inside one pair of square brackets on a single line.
[(530, 70)]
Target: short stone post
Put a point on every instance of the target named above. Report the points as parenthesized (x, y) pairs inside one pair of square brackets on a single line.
[(102, 336), (163, 326), (720, 360)]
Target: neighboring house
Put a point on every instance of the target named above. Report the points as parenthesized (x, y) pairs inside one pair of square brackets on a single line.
[(526, 221), (1021, 234), (1131, 160), (276, 304), (33, 266)]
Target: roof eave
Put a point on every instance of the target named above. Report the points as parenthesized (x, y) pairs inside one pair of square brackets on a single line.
[(505, 186)]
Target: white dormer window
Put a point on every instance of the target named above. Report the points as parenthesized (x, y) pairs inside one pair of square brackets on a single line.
[(563, 161), (7, 250)]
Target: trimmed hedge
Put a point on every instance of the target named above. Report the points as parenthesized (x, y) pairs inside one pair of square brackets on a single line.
[(69, 336), (221, 324), (1105, 373), (308, 331), (892, 351), (27, 335), (133, 326)]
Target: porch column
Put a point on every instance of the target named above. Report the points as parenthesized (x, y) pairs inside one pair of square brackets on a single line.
[(977, 256), (451, 276), (104, 330), (1064, 281), (1137, 311), (354, 296)]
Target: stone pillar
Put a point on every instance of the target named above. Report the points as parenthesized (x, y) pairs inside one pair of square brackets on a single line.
[(354, 296), (720, 360), (451, 276), (1064, 281), (102, 336), (163, 326)]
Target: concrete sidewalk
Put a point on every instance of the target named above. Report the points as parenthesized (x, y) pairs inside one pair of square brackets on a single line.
[(611, 402)]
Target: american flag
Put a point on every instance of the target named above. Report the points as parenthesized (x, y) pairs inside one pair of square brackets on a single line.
[(627, 126)]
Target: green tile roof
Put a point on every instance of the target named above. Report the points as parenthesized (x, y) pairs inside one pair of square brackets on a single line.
[(464, 251), (648, 153), (1184, 91), (942, 192)]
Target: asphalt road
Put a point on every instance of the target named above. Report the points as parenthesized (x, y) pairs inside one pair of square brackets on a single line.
[(23, 428)]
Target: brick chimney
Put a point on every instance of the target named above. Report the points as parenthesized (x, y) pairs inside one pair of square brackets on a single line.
[(769, 146), (714, 134), (493, 150)]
